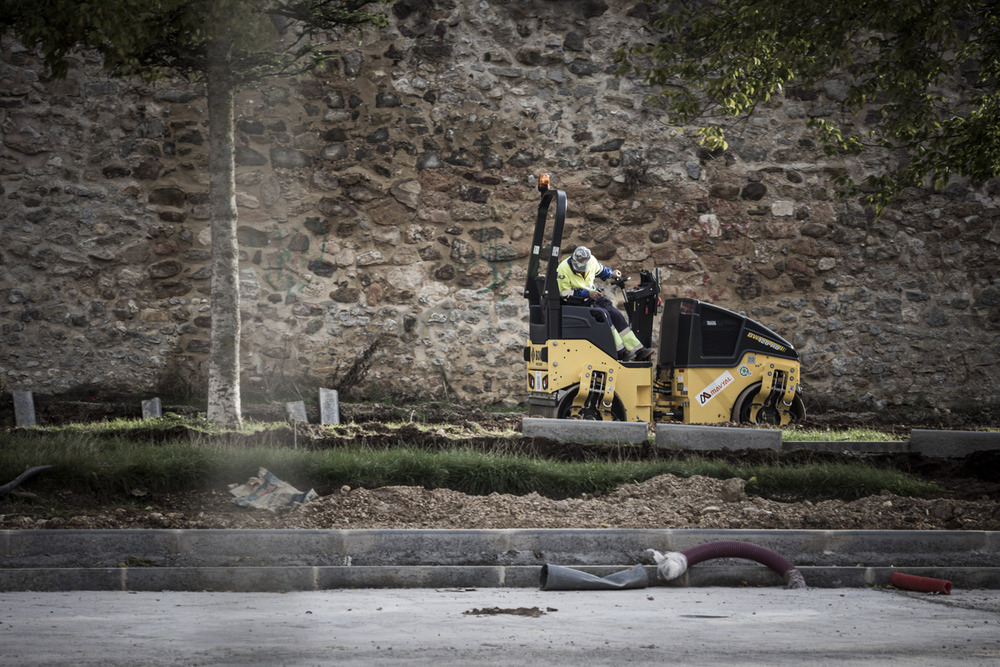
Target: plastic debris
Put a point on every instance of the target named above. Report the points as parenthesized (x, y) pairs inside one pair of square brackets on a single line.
[(265, 491), (559, 578)]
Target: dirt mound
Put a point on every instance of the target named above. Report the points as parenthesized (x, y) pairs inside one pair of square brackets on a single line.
[(662, 502)]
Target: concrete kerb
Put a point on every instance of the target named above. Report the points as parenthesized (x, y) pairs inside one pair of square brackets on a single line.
[(696, 437), (585, 430), (952, 444), (708, 438), (514, 547), (293, 560), (684, 436), (288, 579)]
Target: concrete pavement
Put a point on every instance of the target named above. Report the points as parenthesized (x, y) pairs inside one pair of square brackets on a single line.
[(502, 626), (247, 597)]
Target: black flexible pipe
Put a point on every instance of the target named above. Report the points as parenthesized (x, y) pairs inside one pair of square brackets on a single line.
[(27, 474)]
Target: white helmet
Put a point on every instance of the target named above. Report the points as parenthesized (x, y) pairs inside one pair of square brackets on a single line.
[(581, 257)]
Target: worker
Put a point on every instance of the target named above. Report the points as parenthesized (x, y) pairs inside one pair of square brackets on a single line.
[(575, 277)]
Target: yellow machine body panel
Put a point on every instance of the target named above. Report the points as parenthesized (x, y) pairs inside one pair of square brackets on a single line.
[(705, 395), (611, 388)]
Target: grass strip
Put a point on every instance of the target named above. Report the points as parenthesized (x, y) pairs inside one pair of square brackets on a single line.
[(122, 465)]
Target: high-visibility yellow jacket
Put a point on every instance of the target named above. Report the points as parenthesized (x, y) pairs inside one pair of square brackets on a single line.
[(571, 283)]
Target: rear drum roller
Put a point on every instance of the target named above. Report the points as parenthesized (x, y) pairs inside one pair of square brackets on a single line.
[(592, 410), (768, 414)]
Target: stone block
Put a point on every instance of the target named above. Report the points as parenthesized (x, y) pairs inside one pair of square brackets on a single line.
[(152, 408), (24, 408), (329, 406)]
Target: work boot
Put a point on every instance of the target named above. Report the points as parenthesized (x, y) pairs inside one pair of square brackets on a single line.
[(639, 354)]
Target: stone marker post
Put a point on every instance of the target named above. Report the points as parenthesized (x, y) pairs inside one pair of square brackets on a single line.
[(152, 409), (329, 406), (24, 408)]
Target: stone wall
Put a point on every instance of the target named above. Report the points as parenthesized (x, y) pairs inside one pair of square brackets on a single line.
[(386, 207)]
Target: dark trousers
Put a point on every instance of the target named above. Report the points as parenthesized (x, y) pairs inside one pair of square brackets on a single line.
[(617, 319)]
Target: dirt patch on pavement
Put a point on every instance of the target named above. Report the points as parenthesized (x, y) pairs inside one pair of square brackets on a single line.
[(530, 612)]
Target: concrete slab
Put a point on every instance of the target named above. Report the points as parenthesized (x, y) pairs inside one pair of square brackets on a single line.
[(582, 430), (708, 438), (952, 444), (502, 626)]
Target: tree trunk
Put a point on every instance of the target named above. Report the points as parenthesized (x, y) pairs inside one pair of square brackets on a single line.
[(224, 361)]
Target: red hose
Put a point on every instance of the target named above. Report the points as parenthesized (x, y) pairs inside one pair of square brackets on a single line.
[(777, 562), (911, 582), (754, 552)]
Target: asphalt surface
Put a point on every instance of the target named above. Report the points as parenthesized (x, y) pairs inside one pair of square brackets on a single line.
[(502, 626)]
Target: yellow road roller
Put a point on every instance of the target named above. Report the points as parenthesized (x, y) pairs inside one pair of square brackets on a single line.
[(712, 365)]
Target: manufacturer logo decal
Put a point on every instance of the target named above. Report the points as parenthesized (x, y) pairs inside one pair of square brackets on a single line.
[(765, 342), (712, 390)]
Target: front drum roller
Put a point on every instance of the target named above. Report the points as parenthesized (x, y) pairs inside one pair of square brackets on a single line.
[(768, 413), (592, 409)]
